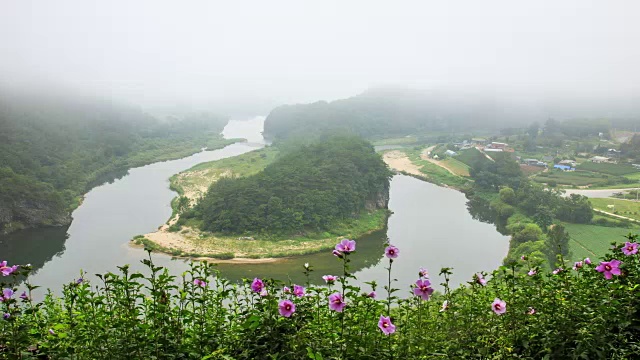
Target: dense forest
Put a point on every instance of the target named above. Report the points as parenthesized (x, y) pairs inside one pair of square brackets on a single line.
[(54, 148), (309, 187), (380, 113)]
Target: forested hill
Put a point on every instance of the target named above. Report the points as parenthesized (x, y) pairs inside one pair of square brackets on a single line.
[(387, 113), (55, 148), (384, 113), (310, 187)]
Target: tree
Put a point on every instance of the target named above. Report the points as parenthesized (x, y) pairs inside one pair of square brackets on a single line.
[(507, 195), (528, 232), (543, 217), (557, 243)]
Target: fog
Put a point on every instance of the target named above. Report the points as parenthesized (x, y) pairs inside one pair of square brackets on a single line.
[(249, 56)]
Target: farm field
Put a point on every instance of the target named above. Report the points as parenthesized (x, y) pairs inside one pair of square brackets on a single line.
[(593, 240), (611, 169), (628, 208), (396, 141), (471, 156), (575, 178)]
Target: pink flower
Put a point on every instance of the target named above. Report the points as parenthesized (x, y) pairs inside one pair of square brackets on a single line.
[(630, 248), (531, 311), (498, 306), (609, 268), (523, 258), (330, 279), (264, 293), (346, 246), (445, 306), (391, 252), (337, 254), (286, 290), (587, 261), (557, 271), (286, 308), (480, 279), (52, 332), (532, 272), (6, 294), (423, 273), (372, 295), (257, 285), (6, 316), (199, 282), (336, 302), (7, 270), (386, 326), (577, 265), (423, 289), (298, 290), (24, 296)]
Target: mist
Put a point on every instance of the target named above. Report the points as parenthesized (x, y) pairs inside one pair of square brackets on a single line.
[(248, 57)]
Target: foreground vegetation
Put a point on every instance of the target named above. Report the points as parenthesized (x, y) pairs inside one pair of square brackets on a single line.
[(581, 310)]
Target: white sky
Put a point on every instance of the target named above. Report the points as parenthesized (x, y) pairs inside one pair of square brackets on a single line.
[(197, 52)]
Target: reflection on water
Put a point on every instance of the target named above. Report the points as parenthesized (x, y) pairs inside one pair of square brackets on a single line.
[(429, 224)]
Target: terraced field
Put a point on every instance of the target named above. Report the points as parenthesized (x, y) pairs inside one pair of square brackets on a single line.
[(592, 240)]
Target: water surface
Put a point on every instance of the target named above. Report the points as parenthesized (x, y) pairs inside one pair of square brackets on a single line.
[(430, 225)]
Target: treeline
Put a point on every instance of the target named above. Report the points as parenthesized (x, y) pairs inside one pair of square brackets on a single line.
[(391, 112), (309, 187), (527, 211), (55, 148)]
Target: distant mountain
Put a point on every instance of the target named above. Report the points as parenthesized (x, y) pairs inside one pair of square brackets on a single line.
[(396, 112)]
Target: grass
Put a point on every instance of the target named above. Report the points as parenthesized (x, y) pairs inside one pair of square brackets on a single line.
[(605, 168), (200, 244), (627, 208), (471, 156), (458, 167), (194, 182), (574, 178), (592, 240), (405, 140), (435, 174)]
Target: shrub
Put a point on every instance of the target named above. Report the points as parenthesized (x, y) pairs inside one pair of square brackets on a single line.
[(518, 311)]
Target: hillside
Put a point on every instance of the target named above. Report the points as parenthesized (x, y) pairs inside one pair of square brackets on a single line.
[(53, 149), (303, 189)]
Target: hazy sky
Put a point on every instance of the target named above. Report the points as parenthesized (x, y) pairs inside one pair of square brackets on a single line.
[(199, 52)]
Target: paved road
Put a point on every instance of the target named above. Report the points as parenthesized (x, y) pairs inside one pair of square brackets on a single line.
[(594, 193)]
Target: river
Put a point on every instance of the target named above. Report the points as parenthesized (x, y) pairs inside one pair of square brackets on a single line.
[(430, 225)]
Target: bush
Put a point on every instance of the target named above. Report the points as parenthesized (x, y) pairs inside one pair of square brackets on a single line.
[(518, 311)]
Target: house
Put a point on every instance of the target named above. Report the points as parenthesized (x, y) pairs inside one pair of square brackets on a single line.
[(497, 145), (492, 150), (532, 162), (570, 163), (451, 153), (600, 159), (478, 141), (563, 167)]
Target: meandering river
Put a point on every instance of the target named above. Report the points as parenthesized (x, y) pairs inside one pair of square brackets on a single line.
[(430, 225)]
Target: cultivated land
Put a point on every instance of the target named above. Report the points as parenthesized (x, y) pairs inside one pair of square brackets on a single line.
[(592, 240), (626, 208), (188, 240)]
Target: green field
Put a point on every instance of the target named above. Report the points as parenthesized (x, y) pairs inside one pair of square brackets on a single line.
[(405, 140), (436, 174), (195, 181), (471, 156), (592, 240), (627, 208), (605, 168), (457, 166), (575, 178)]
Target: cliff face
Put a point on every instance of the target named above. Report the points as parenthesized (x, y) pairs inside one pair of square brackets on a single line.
[(25, 213), (379, 201)]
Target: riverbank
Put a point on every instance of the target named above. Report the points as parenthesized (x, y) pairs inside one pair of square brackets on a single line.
[(412, 162), (190, 242)]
